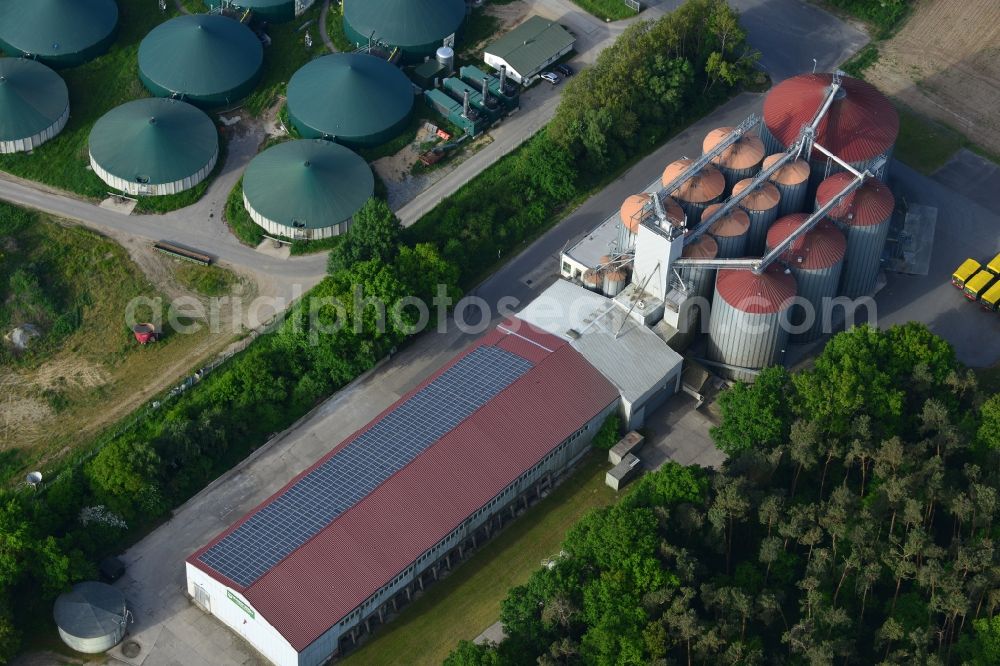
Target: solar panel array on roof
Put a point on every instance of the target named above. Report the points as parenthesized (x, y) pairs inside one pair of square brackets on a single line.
[(315, 500)]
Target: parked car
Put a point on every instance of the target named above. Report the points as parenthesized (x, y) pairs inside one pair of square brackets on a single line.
[(551, 77), (564, 69)]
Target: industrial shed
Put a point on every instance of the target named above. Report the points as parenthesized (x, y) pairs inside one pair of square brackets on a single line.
[(353, 98), (643, 369), (306, 189), (416, 27), (153, 147), (380, 516), (275, 11), (208, 60), (34, 104), (60, 33), (529, 48)]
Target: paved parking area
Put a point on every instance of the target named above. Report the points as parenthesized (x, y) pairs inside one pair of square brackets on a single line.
[(678, 431)]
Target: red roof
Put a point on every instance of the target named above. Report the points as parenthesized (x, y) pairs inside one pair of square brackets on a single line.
[(860, 124), (368, 545), (822, 247), (870, 204), (766, 293)]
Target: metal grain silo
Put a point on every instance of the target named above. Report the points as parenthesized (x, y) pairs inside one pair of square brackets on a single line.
[(34, 104), (91, 617), (699, 280), (815, 259), (792, 181), (740, 160), (860, 126), (761, 206), (614, 282), (696, 193), (745, 331), (730, 231), (592, 279), (864, 216)]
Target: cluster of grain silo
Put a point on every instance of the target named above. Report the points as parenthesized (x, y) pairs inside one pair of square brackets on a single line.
[(731, 231), (634, 209), (356, 99), (815, 259), (34, 104), (860, 127), (745, 330), (761, 206), (306, 189), (416, 27), (697, 192), (740, 160), (698, 279), (792, 181), (274, 11), (153, 147), (865, 216), (60, 33), (208, 60)]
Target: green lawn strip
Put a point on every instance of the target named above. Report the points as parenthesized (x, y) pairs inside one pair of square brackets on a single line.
[(465, 603), (335, 29), (606, 9), (923, 143), (206, 280)]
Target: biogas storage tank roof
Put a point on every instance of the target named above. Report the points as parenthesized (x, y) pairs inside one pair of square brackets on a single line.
[(60, 33), (823, 246), (416, 26), (699, 188), (860, 124), (766, 293), (269, 10), (155, 140), (33, 99), (354, 98), (204, 59), (310, 184), (870, 204)]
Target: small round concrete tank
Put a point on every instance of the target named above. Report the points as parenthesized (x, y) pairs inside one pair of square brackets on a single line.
[(864, 215), (740, 160), (592, 279), (860, 126), (730, 231), (745, 331), (762, 206), (91, 617), (816, 260), (699, 280), (446, 58), (614, 282), (700, 190), (792, 181)]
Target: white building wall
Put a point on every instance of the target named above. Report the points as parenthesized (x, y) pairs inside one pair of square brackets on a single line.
[(153, 189), (278, 229), (654, 256), (570, 268), (524, 78), (32, 142), (255, 629)]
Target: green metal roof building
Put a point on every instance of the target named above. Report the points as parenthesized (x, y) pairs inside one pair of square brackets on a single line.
[(353, 98), (34, 104), (529, 48), (153, 147), (60, 33), (275, 11), (306, 189), (417, 27), (208, 60)]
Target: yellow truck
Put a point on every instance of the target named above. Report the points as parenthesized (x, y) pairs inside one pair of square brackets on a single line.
[(977, 285), (994, 265), (991, 299), (968, 268)]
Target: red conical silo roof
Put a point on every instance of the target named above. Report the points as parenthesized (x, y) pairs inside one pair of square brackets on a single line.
[(763, 197), (734, 223), (699, 188), (747, 151), (792, 172), (766, 293), (702, 247), (824, 246), (860, 124), (870, 204)]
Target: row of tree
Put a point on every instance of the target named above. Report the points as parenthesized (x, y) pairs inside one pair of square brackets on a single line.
[(854, 522)]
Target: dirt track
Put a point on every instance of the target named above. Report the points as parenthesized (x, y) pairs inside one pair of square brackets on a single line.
[(945, 63)]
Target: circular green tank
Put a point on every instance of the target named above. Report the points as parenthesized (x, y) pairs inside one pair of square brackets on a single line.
[(60, 33)]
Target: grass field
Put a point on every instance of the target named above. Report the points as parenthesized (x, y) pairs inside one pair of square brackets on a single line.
[(206, 280), (286, 54), (606, 9), (465, 603), (86, 370), (924, 144), (335, 29)]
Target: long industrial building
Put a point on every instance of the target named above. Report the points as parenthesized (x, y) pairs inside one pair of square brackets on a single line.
[(306, 573)]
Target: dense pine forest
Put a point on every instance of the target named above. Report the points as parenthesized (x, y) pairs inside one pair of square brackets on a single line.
[(854, 523)]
